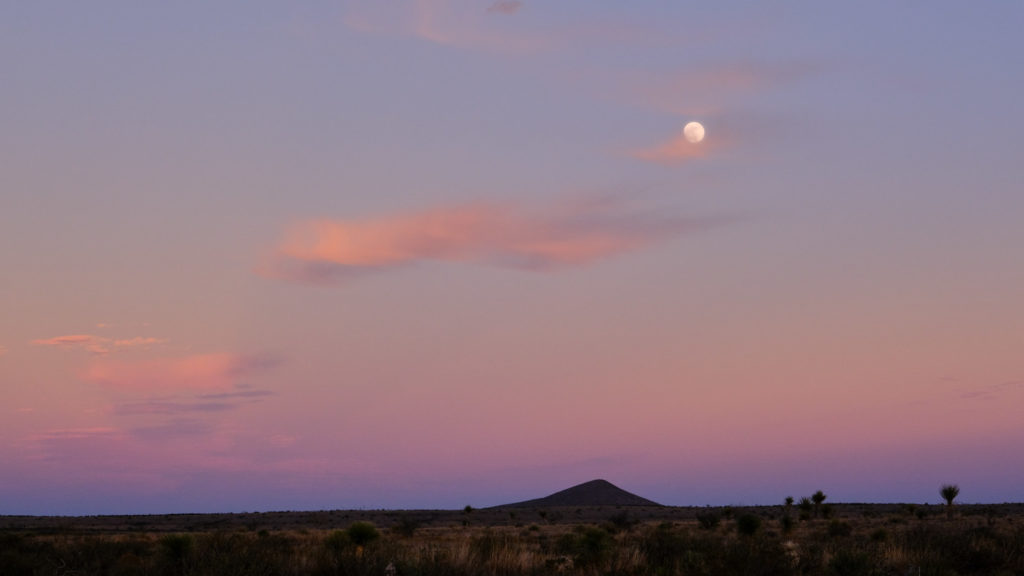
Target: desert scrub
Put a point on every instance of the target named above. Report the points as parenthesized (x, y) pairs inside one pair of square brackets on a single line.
[(748, 524)]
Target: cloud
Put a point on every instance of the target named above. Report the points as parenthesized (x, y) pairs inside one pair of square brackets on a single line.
[(199, 371), (454, 23), (993, 390), (242, 392), (674, 151), (700, 92), (505, 6), (165, 407), (97, 344), (173, 430), (200, 403), (63, 434), (545, 239), (69, 340), (137, 342), (3, 350), (71, 445)]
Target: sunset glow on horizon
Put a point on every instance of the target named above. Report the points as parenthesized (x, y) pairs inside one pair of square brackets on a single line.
[(435, 253)]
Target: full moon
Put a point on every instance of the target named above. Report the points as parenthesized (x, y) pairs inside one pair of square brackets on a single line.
[(693, 132)]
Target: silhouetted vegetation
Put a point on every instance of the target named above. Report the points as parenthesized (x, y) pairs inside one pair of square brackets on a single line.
[(856, 541), (949, 492)]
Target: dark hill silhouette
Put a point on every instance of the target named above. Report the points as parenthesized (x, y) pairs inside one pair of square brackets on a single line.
[(593, 493)]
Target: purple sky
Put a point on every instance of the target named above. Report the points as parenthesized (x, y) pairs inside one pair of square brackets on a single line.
[(267, 256)]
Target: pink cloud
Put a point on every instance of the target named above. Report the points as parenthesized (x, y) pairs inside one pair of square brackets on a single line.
[(96, 344), (138, 342), (503, 235), (200, 371), (69, 340), (674, 151), (3, 350), (702, 91)]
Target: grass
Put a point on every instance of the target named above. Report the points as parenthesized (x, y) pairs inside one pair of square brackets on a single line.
[(857, 541)]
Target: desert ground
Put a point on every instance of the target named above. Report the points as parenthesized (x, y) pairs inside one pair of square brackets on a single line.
[(844, 539)]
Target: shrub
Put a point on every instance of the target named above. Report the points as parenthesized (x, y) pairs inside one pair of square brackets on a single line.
[(787, 524), (838, 529), (175, 550), (949, 492), (406, 527), (595, 547), (362, 533), (622, 521), (805, 507), (748, 524), (818, 498), (708, 520), (850, 563), (337, 541), (664, 547)]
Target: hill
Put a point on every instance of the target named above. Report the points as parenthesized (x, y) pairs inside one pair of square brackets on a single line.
[(593, 493)]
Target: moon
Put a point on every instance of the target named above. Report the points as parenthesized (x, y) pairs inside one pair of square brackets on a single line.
[(693, 132)]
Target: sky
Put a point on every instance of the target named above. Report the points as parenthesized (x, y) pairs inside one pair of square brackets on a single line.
[(300, 256)]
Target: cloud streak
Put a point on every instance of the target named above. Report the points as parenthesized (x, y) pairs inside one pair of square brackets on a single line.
[(456, 24), (993, 390), (199, 371), (675, 151), (99, 345), (505, 6), (166, 407), (511, 236), (703, 91)]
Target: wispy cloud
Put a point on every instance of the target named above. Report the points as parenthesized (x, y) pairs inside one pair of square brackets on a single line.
[(993, 390), (454, 23), (166, 407), (76, 433), (72, 444), (3, 350), (242, 391), (173, 429), (704, 91), (505, 6), (544, 239), (676, 150), (200, 403), (97, 344), (199, 371)]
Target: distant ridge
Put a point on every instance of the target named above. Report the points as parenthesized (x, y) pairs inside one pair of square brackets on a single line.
[(593, 493)]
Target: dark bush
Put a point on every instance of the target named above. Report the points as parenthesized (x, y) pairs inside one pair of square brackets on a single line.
[(708, 520), (851, 563), (839, 529), (748, 524), (362, 533)]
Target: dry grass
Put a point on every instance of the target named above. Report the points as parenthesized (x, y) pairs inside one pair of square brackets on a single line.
[(858, 541)]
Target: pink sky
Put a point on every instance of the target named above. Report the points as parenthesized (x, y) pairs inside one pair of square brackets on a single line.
[(440, 253)]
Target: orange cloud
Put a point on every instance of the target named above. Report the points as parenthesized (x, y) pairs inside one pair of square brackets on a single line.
[(200, 371), (137, 342), (69, 340), (96, 344), (503, 235), (3, 350)]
